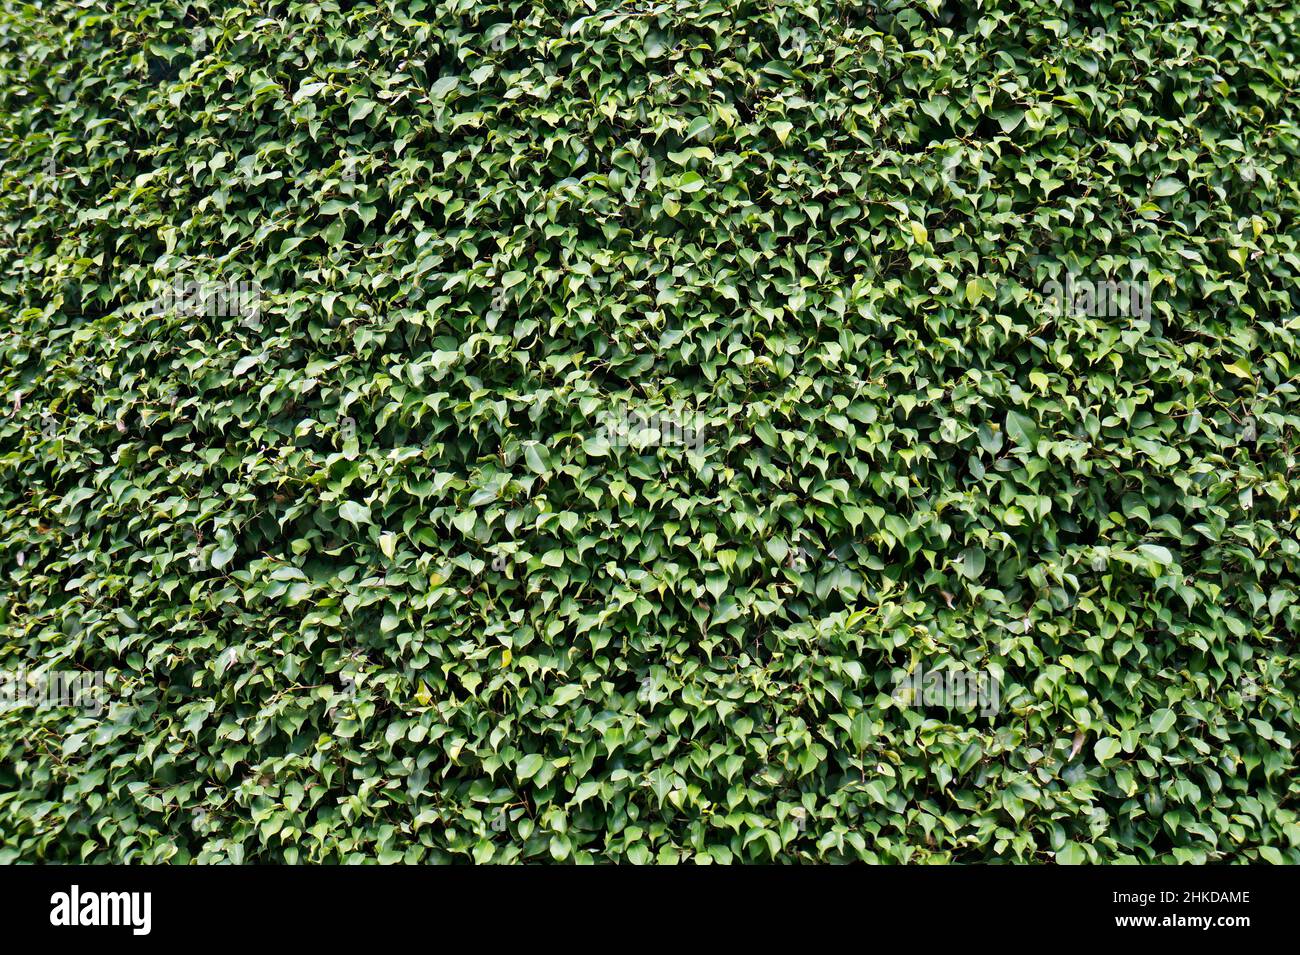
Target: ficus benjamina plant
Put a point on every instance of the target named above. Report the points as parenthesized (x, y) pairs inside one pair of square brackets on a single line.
[(649, 431)]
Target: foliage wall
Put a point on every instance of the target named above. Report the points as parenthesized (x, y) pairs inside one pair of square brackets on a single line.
[(605, 408)]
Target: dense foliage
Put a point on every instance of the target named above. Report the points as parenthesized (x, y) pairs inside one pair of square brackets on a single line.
[(370, 575)]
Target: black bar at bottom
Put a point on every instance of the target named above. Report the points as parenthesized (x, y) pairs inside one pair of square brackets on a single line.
[(343, 905)]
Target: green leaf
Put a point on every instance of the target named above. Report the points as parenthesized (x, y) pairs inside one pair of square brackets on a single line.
[(529, 766), (1021, 429), (1162, 721), (1156, 553), (1105, 748), (971, 563), (566, 694), (860, 731), (354, 513), (360, 110), (690, 182)]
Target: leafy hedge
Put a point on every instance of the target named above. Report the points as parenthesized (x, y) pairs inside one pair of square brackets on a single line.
[(369, 573)]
